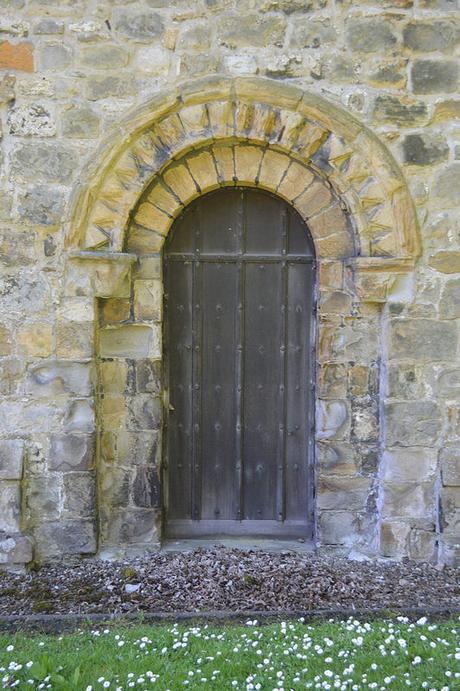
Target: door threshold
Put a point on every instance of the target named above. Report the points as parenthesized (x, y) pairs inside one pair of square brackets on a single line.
[(245, 543)]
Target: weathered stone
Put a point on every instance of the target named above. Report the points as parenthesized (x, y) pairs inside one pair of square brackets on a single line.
[(113, 376), (446, 110), (408, 381), (406, 465), (31, 120), (447, 187), (240, 31), (7, 88), (16, 249), (393, 538), (423, 545), (197, 37), (80, 122), (115, 310), (134, 526), (408, 500), (310, 33), (46, 25), (148, 376), (43, 498), (343, 493), (15, 550), (18, 56), (10, 501), (449, 306), (44, 163), (132, 341), (141, 26), (337, 527), (425, 339), (56, 539), (399, 110), (42, 205), (79, 494), (367, 35), (148, 299), (144, 412), (11, 374), (153, 60), (424, 149), (74, 339), (130, 448), (414, 423), (445, 261), (434, 77), (55, 377), (333, 420), (365, 419), (146, 488), (104, 57), (79, 416), (115, 487), (108, 86), (36, 338), (391, 73), (449, 458), (431, 35), (336, 302), (449, 383), (336, 458), (55, 57), (11, 456), (450, 510), (332, 381), (71, 452)]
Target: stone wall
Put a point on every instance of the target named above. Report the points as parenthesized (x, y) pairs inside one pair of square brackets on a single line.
[(80, 442)]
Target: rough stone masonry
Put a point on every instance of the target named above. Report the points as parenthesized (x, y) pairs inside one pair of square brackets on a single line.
[(114, 115)]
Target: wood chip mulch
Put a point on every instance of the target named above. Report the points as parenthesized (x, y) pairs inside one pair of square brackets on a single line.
[(227, 579)]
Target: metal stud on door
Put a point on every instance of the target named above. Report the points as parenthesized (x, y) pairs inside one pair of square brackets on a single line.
[(239, 317)]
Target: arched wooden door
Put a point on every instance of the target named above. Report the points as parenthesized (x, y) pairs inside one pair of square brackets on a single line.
[(239, 275)]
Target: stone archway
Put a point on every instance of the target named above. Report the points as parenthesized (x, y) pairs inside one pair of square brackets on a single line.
[(350, 192)]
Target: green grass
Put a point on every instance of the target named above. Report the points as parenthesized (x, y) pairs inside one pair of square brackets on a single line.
[(390, 654)]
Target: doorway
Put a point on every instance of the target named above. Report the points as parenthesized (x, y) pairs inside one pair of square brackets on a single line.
[(239, 276)]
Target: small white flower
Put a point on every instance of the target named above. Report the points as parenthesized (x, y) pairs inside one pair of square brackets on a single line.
[(9, 648)]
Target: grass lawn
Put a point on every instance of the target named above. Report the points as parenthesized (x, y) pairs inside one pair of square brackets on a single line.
[(381, 654)]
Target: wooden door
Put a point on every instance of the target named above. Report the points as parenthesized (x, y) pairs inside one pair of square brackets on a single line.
[(239, 277)]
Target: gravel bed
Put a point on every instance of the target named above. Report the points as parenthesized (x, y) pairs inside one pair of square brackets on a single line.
[(227, 579)]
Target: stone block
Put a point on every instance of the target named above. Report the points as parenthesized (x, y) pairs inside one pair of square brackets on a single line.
[(74, 339), (408, 381), (447, 187), (445, 261), (424, 339), (121, 447), (449, 306), (49, 26), (401, 111), (147, 267), (336, 458), (132, 527), (65, 537), (115, 487), (180, 181), (337, 527), (344, 493), (332, 381), (434, 76), (113, 376), (144, 27), (444, 111), (412, 423), (55, 377), (44, 162), (10, 501), (36, 339), (365, 419), (144, 412), (15, 550), (310, 33), (115, 310), (98, 276), (449, 383), (11, 375), (409, 464), (153, 60), (80, 122), (274, 165), (5, 340), (424, 149), (109, 86), (335, 302), (146, 488), (70, 452), (393, 538), (11, 457), (79, 494), (148, 299), (194, 37), (247, 163), (41, 205), (450, 510), (31, 120), (449, 458), (55, 57), (250, 30), (367, 35), (16, 56), (332, 420), (112, 412), (148, 376), (423, 545), (131, 341), (104, 57), (412, 500), (43, 497), (431, 35), (79, 416)]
